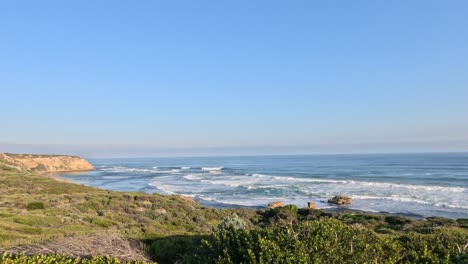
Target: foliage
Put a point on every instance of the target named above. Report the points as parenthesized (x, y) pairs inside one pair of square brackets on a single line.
[(441, 246), (35, 205), (169, 249), (397, 220), (328, 241), (232, 222)]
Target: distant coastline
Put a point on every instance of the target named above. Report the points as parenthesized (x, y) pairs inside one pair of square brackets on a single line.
[(47, 163)]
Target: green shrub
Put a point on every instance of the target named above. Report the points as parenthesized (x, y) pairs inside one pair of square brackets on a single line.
[(35, 206), (170, 249), (397, 220), (463, 222), (283, 215), (442, 246), (441, 221), (327, 241)]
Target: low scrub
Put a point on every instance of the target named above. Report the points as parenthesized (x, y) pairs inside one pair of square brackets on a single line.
[(329, 241)]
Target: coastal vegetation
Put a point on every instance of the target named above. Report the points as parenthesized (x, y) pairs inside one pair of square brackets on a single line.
[(44, 220)]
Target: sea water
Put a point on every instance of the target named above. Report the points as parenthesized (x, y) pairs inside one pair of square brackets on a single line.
[(418, 185)]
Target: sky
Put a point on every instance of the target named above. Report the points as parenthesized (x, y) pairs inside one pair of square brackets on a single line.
[(143, 78)]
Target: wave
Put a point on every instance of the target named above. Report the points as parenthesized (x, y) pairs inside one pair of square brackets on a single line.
[(212, 168), (364, 183), (192, 177), (397, 198), (121, 169), (410, 186), (253, 180)]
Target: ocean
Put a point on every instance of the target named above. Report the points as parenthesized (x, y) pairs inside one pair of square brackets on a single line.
[(417, 185)]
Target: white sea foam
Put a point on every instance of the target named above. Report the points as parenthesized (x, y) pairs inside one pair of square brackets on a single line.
[(193, 176), (219, 184), (212, 168), (393, 198), (121, 169), (208, 185)]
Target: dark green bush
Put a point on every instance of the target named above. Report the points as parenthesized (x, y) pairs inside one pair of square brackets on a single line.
[(170, 249), (463, 222), (397, 220), (283, 215), (35, 206), (441, 221)]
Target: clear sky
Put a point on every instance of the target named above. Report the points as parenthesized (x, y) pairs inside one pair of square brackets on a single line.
[(148, 77)]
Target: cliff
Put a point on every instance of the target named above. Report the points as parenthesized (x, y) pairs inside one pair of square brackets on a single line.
[(46, 163)]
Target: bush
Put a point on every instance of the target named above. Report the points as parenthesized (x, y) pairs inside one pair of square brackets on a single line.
[(233, 221), (327, 241), (35, 206), (463, 222), (283, 215), (441, 221), (397, 220), (442, 246), (169, 249)]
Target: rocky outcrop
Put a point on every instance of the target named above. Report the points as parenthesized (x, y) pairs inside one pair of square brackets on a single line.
[(340, 200), (276, 204), (47, 163), (311, 205)]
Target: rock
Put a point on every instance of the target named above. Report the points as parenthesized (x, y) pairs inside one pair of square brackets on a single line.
[(311, 205), (160, 211), (276, 204), (340, 200)]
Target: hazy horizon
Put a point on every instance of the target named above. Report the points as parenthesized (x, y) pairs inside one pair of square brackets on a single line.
[(233, 78), (119, 151)]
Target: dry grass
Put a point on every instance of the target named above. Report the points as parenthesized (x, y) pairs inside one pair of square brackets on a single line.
[(98, 244)]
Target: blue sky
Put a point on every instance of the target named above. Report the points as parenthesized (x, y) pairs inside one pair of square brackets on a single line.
[(254, 76)]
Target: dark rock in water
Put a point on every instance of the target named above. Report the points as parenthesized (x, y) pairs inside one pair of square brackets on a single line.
[(276, 204), (340, 200)]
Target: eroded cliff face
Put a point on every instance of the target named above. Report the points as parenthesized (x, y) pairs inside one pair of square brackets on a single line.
[(47, 163)]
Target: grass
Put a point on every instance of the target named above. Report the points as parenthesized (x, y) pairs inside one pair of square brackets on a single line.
[(35, 208)]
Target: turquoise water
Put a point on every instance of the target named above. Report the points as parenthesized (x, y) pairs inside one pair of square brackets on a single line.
[(411, 184)]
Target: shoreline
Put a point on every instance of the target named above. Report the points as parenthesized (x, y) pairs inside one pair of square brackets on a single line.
[(220, 205)]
